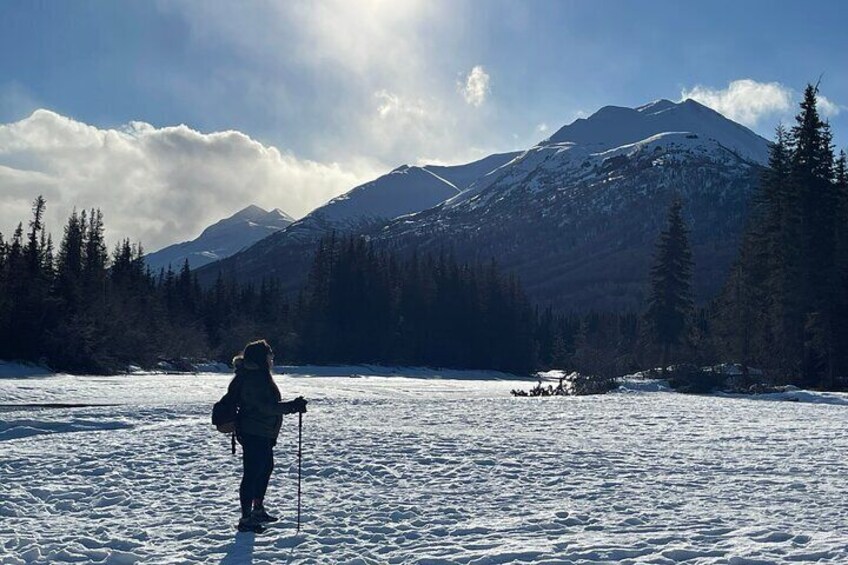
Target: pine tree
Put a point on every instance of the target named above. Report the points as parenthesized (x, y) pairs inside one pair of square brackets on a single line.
[(841, 299), (812, 166), (781, 306), (670, 304), (34, 251)]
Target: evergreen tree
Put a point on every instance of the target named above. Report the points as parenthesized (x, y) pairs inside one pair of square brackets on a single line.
[(670, 303), (811, 176), (782, 305)]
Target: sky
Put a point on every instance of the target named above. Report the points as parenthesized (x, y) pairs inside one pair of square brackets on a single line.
[(171, 115)]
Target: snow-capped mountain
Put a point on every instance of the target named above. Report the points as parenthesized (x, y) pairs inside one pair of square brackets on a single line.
[(221, 239), (405, 190), (614, 126), (576, 217), (463, 176)]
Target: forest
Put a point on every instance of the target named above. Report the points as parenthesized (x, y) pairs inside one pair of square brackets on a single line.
[(782, 315)]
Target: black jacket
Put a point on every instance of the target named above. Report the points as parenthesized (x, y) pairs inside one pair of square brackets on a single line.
[(260, 406)]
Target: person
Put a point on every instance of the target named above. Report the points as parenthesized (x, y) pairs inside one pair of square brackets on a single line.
[(260, 416)]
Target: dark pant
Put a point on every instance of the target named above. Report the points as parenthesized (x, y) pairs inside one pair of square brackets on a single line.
[(258, 458)]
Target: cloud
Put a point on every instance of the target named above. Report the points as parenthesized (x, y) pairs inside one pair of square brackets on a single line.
[(475, 90), (745, 101), (827, 108), (156, 185), (372, 79), (393, 107), (749, 102)]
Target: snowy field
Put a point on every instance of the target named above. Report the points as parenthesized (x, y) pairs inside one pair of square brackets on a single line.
[(421, 470)]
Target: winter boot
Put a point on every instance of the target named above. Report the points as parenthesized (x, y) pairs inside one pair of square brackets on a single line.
[(250, 524), (260, 515)]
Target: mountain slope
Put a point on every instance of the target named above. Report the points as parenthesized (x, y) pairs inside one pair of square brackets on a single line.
[(463, 176), (614, 126), (576, 217), (286, 255), (221, 239)]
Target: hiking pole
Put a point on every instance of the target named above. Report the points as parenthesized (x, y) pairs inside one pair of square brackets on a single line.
[(299, 459)]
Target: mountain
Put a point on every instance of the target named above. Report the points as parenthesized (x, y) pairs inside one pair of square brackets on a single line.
[(221, 239), (576, 217), (286, 255), (463, 176), (613, 126)]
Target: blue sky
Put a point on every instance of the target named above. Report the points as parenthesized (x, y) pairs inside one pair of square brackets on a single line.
[(346, 90)]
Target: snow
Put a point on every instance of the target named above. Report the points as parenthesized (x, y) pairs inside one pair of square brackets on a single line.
[(462, 176), (421, 470), (797, 395), (614, 126), (402, 191), (222, 239), (574, 163), (405, 190)]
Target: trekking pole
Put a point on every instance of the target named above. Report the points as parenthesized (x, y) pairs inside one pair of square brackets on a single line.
[(299, 459)]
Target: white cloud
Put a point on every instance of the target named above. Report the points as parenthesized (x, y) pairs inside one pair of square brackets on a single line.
[(827, 108), (156, 185), (542, 128), (475, 90), (358, 80), (745, 101), (392, 107), (749, 102)]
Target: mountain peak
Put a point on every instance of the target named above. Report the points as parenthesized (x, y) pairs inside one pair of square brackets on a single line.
[(656, 106), (615, 126), (277, 213), (251, 212), (223, 238)]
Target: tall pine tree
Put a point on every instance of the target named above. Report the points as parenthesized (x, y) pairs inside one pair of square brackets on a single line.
[(670, 303)]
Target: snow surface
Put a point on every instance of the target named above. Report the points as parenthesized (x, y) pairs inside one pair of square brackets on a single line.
[(421, 470)]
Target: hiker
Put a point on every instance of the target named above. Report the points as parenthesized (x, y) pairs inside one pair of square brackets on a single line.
[(260, 416)]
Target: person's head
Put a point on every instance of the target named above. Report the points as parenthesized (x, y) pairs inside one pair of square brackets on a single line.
[(259, 353)]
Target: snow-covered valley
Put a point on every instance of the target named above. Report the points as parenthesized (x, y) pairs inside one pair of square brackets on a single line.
[(421, 470)]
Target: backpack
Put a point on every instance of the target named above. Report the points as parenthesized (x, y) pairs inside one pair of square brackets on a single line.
[(225, 412)]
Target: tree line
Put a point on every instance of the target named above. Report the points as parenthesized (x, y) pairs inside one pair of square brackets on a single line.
[(784, 306), (82, 309), (783, 310)]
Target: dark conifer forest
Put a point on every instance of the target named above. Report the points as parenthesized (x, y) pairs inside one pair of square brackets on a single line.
[(83, 309), (80, 307)]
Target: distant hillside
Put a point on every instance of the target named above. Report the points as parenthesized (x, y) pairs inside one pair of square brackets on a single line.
[(221, 239), (286, 255)]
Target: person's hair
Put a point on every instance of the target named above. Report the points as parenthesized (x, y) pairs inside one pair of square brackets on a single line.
[(257, 352)]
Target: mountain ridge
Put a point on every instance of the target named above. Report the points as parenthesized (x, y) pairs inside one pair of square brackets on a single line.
[(404, 190), (221, 239), (575, 217)]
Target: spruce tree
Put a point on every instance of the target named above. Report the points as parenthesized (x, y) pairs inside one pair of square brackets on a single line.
[(670, 301), (812, 165), (782, 301)]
